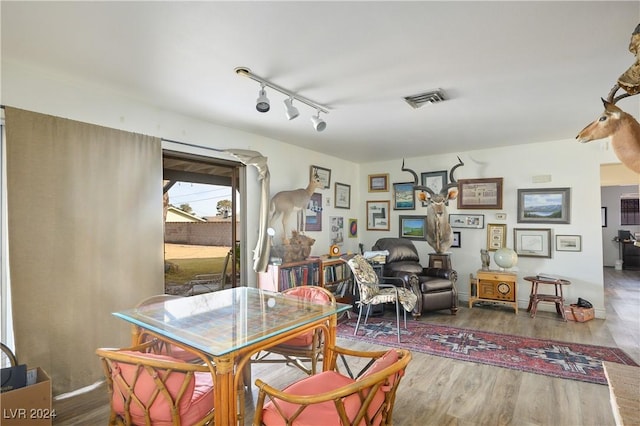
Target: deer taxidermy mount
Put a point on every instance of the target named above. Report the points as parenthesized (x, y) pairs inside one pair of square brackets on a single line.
[(284, 203), (439, 233), (621, 127)]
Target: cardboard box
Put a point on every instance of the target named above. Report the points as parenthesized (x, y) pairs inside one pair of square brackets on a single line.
[(576, 313), (28, 406)]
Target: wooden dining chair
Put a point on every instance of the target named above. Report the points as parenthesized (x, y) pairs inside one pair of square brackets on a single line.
[(337, 396), (154, 389), (307, 347)]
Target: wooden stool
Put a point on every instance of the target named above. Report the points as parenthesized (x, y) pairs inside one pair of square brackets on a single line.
[(557, 297)]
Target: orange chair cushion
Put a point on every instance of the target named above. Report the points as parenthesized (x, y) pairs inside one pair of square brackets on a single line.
[(308, 293), (195, 404)]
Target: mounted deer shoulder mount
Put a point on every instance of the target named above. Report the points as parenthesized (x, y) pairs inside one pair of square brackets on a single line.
[(621, 127), (286, 202), (439, 233)]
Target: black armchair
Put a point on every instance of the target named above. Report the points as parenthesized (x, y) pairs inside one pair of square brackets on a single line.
[(435, 287)]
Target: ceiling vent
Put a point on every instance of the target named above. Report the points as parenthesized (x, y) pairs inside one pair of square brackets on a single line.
[(431, 97)]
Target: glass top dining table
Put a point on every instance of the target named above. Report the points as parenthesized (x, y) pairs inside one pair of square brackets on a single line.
[(228, 326)]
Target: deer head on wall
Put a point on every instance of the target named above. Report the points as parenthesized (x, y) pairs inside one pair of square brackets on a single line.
[(621, 127), (439, 233)]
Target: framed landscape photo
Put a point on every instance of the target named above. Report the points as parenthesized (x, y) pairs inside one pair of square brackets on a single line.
[(342, 196), (532, 242), (378, 215), (457, 239), (496, 236), (480, 193), (323, 174), (545, 205), (404, 197), (379, 182), (568, 243), (466, 221), (413, 227)]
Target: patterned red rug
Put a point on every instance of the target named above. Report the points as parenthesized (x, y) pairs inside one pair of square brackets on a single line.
[(548, 357)]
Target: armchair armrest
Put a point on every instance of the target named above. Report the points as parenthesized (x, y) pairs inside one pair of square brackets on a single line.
[(448, 274)]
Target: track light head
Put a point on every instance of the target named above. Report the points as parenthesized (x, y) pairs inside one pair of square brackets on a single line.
[(318, 123), (262, 103), (291, 111)]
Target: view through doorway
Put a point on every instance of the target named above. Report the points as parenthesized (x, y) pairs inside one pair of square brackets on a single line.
[(200, 209)]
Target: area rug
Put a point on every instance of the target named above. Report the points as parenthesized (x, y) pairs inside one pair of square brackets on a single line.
[(548, 357)]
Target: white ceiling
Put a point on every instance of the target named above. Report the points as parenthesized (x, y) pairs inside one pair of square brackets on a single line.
[(514, 72)]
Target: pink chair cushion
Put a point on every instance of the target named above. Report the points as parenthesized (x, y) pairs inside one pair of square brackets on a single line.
[(195, 404), (307, 293), (322, 414), (381, 363)]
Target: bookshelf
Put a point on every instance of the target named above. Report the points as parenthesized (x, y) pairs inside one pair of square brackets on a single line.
[(336, 277), (293, 274)]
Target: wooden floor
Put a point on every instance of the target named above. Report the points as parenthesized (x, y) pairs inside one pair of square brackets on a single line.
[(441, 391)]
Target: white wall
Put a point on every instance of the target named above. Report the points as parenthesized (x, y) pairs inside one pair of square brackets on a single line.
[(611, 200), (569, 164)]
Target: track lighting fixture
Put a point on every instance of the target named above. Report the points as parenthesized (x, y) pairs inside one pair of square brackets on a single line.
[(291, 111), (318, 123), (262, 103)]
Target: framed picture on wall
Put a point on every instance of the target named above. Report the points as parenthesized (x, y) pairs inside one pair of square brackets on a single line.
[(457, 239), (323, 174), (413, 227), (496, 236), (378, 215), (379, 182), (544, 205), (404, 197), (342, 196), (480, 193), (532, 242), (313, 219), (466, 221), (568, 243)]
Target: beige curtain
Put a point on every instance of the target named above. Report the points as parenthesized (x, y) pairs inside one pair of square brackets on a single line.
[(85, 239)]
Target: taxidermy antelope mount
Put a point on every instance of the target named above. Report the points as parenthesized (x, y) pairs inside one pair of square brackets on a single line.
[(623, 129), (439, 233), (286, 202)]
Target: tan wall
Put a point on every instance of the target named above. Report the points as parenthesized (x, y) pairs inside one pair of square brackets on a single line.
[(199, 233)]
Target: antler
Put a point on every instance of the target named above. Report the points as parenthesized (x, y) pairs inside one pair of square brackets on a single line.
[(452, 181), (416, 187)]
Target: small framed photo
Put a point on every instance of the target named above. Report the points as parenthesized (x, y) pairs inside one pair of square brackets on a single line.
[(568, 243), (379, 183), (457, 242), (336, 236), (378, 215), (480, 193), (353, 228), (413, 227), (532, 242), (342, 196), (313, 214), (434, 180), (496, 236), (404, 197), (603, 214), (548, 205), (466, 221), (323, 174)]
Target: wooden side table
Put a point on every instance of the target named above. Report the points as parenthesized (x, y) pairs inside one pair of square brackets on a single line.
[(535, 297), (494, 286)]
